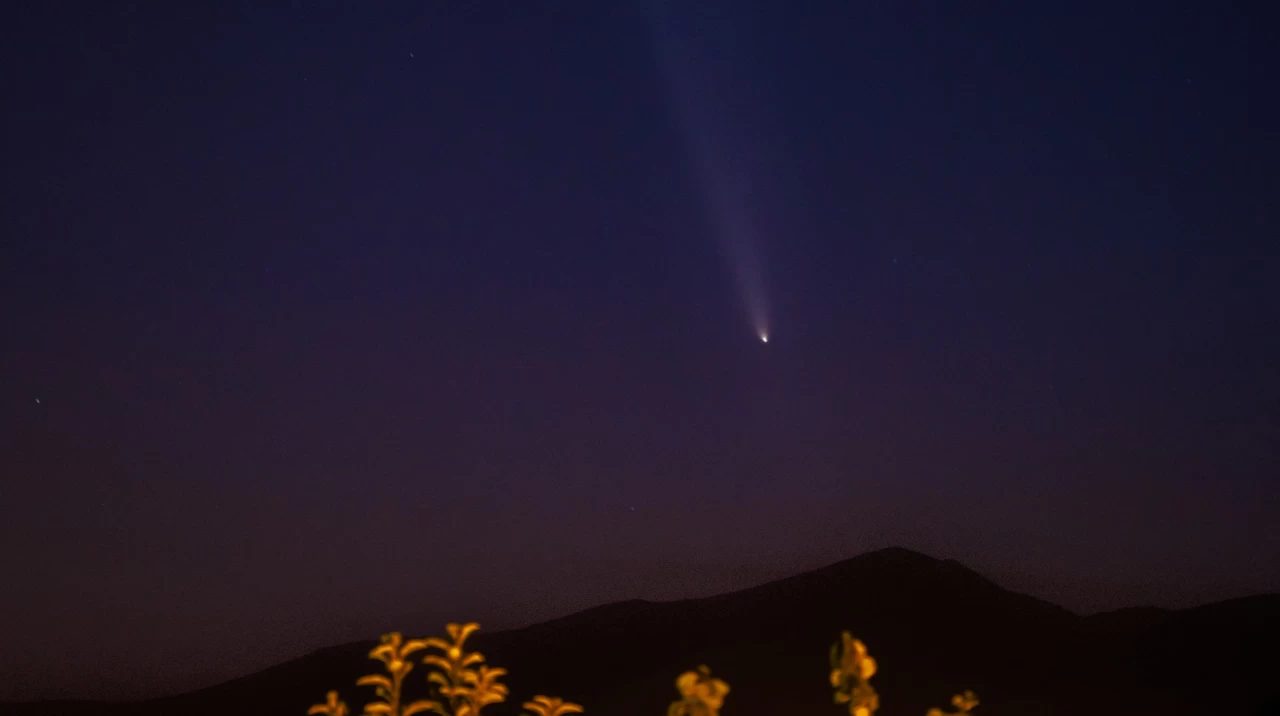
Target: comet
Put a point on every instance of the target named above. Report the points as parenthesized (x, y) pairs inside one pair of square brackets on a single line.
[(709, 77)]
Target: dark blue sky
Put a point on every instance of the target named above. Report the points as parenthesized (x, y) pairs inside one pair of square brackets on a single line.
[(299, 300)]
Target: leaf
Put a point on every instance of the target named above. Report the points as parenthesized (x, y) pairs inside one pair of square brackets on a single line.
[(333, 706), (377, 708), (374, 680), (435, 642), (460, 632), (548, 706), (436, 677), (437, 661), (413, 645), (421, 706)]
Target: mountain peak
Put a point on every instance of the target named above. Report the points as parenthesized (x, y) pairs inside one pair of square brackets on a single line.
[(935, 625), (900, 555), (893, 565)]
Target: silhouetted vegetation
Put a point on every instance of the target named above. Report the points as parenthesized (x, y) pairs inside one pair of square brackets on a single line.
[(933, 626), (463, 684)]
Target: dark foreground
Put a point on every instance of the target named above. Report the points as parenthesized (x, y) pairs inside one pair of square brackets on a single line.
[(935, 627)]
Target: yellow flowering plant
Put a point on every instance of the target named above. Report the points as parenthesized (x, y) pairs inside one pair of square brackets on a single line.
[(701, 694), (465, 684), (851, 671)]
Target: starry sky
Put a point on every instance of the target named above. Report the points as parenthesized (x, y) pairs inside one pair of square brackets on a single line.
[(323, 319)]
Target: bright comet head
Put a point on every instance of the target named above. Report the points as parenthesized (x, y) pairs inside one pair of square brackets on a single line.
[(764, 337)]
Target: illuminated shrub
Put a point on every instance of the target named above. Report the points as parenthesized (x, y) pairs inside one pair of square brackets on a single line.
[(546, 706), (395, 656), (463, 684), (963, 703), (701, 694), (851, 672), (462, 677)]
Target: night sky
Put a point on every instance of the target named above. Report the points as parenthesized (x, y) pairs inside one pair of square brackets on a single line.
[(318, 321)]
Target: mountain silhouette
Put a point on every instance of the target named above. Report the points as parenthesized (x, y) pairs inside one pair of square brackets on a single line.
[(935, 627)]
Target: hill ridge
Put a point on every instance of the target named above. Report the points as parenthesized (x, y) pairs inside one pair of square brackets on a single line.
[(936, 626)]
